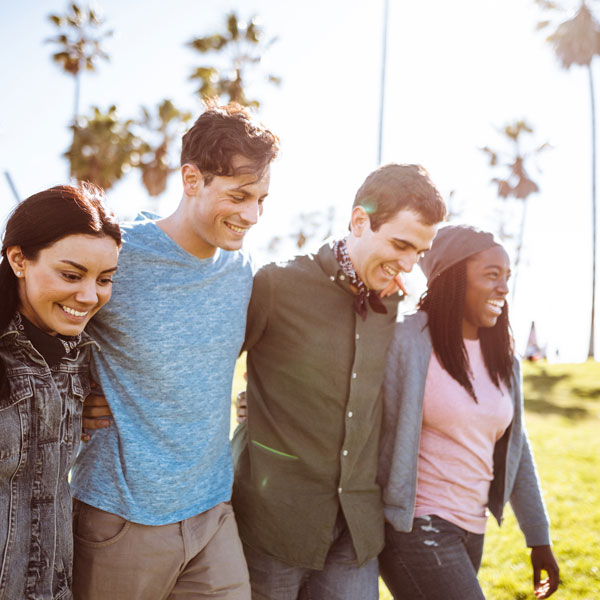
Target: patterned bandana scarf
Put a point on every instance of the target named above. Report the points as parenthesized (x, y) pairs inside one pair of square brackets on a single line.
[(363, 293), (51, 347)]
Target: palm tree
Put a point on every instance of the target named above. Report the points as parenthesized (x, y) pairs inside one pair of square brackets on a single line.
[(80, 44), (104, 148), (163, 129), (517, 183), (576, 41), (243, 45)]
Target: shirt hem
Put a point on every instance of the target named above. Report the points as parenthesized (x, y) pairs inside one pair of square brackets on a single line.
[(144, 518), (470, 526)]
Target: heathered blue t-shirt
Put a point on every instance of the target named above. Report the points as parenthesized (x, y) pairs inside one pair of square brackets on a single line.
[(169, 340)]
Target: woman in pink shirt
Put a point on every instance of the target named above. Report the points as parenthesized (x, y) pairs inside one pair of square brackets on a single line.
[(453, 440)]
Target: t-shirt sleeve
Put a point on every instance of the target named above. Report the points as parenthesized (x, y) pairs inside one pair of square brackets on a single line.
[(259, 307)]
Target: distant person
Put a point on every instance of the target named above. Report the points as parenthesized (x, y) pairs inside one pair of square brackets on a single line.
[(152, 517), (454, 442), (533, 352), (59, 254), (307, 503)]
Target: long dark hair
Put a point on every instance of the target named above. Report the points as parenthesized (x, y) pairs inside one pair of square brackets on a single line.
[(45, 218), (444, 303)]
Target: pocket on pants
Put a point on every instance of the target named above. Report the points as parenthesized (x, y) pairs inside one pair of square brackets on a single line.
[(97, 528)]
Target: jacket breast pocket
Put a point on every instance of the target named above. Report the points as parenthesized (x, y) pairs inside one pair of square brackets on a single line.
[(80, 386), (70, 427), (14, 422)]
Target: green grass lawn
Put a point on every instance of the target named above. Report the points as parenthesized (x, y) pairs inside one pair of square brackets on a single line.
[(562, 404)]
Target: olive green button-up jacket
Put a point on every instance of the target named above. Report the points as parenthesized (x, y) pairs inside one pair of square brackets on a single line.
[(310, 443)]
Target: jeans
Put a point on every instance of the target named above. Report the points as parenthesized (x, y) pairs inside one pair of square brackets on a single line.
[(435, 561), (340, 579)]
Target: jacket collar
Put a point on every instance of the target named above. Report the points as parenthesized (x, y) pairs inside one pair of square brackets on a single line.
[(326, 259), (16, 330)]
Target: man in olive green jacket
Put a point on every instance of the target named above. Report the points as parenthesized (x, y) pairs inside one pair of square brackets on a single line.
[(307, 504)]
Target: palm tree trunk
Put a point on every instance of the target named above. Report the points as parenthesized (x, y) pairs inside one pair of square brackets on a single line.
[(75, 117), (12, 187), (518, 252), (76, 99), (594, 223), (383, 81)]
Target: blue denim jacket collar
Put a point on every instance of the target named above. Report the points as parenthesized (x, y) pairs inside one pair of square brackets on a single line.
[(16, 330)]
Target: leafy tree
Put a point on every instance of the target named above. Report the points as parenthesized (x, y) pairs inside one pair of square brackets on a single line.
[(104, 148), (235, 53), (575, 42), (80, 44), (160, 131), (516, 183)]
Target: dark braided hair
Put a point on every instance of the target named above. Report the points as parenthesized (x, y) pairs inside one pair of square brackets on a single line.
[(444, 303)]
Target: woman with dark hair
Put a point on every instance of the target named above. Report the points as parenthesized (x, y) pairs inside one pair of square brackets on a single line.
[(453, 443), (59, 253)]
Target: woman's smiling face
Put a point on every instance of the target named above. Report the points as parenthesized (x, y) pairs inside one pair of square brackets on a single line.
[(488, 272), (67, 283)]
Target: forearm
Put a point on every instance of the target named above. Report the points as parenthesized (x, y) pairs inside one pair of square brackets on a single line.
[(527, 501)]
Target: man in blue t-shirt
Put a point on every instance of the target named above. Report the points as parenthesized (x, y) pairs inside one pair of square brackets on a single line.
[(152, 517)]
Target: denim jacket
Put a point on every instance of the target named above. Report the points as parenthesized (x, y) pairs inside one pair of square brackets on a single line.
[(40, 428), (515, 477)]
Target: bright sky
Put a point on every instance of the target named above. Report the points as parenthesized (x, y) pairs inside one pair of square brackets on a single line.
[(457, 72)]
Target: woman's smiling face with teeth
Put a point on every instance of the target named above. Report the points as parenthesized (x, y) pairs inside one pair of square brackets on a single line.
[(67, 283), (486, 289)]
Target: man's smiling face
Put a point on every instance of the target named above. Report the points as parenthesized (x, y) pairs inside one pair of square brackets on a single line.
[(225, 208), (378, 256)]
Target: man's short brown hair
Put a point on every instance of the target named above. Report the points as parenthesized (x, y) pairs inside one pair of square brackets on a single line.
[(396, 187), (222, 132)]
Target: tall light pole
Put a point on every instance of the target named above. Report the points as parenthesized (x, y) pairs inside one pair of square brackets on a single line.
[(386, 7)]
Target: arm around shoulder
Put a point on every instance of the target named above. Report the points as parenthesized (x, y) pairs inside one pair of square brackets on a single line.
[(259, 306)]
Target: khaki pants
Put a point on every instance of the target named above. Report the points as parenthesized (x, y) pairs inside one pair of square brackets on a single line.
[(115, 559)]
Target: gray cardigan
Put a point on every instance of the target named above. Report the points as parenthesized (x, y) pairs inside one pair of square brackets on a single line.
[(515, 476)]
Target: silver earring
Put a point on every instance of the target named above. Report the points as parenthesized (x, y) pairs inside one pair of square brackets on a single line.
[(18, 273)]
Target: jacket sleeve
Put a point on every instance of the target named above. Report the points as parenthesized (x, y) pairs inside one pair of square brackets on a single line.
[(526, 495), (391, 394)]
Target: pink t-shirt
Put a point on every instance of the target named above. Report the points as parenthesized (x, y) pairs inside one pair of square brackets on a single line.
[(456, 450)]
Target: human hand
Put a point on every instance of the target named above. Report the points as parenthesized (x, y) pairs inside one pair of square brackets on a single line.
[(96, 413), (394, 286), (542, 559), (241, 408)]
